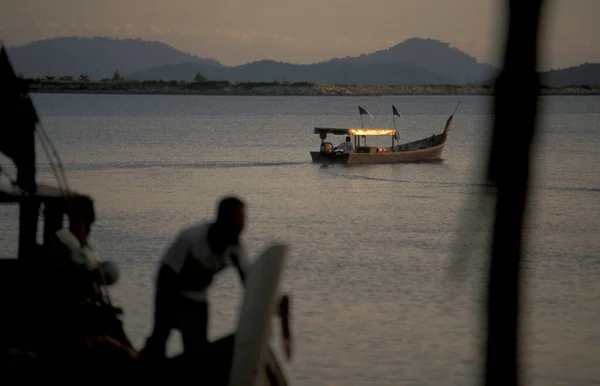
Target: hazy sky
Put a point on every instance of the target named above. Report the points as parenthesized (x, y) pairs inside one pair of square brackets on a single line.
[(302, 31)]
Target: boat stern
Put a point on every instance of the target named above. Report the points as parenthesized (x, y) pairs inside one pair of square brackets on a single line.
[(333, 158)]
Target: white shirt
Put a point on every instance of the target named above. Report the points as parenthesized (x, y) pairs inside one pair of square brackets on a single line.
[(346, 146), (203, 264)]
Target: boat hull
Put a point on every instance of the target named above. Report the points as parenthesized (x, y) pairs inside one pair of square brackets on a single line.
[(417, 155)]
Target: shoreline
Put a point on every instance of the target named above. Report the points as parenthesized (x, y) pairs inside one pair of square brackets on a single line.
[(261, 89)]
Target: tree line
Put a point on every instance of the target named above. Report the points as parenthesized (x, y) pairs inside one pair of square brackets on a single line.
[(199, 81)]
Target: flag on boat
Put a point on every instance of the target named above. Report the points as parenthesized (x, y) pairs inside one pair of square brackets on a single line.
[(395, 111), (362, 111)]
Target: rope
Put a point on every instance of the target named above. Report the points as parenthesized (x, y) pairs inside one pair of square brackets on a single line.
[(61, 178)]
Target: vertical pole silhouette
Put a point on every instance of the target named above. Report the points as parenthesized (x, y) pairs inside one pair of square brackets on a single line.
[(516, 93)]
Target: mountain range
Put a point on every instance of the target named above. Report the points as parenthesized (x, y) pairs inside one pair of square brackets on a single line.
[(97, 57), (414, 61)]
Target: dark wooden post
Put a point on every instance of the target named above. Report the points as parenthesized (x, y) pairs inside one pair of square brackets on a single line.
[(28, 222), (53, 220), (516, 90)]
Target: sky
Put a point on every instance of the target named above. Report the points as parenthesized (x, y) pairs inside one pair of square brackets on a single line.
[(305, 31)]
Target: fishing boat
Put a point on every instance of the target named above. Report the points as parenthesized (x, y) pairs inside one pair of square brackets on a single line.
[(54, 298), (426, 149)]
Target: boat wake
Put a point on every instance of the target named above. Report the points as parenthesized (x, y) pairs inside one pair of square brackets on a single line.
[(166, 165), (464, 184)]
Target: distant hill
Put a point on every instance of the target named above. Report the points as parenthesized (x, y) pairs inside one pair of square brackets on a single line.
[(97, 57), (267, 71), (414, 61), (584, 74), (430, 54)]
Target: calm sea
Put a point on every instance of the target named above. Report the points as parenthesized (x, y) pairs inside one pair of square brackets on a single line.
[(374, 298)]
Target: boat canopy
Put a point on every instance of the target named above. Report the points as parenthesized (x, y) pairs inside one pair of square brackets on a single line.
[(330, 130), (354, 131), (365, 132)]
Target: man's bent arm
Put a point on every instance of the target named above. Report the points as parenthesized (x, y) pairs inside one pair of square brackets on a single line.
[(238, 260)]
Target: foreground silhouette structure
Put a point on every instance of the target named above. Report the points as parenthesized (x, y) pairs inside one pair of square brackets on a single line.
[(517, 90)]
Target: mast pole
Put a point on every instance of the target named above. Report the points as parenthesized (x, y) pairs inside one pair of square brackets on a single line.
[(362, 124), (394, 136)]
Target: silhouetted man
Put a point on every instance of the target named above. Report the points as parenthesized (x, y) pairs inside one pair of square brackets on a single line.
[(185, 273)]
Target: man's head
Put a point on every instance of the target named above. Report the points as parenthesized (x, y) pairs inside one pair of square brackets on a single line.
[(348, 139), (231, 215)]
